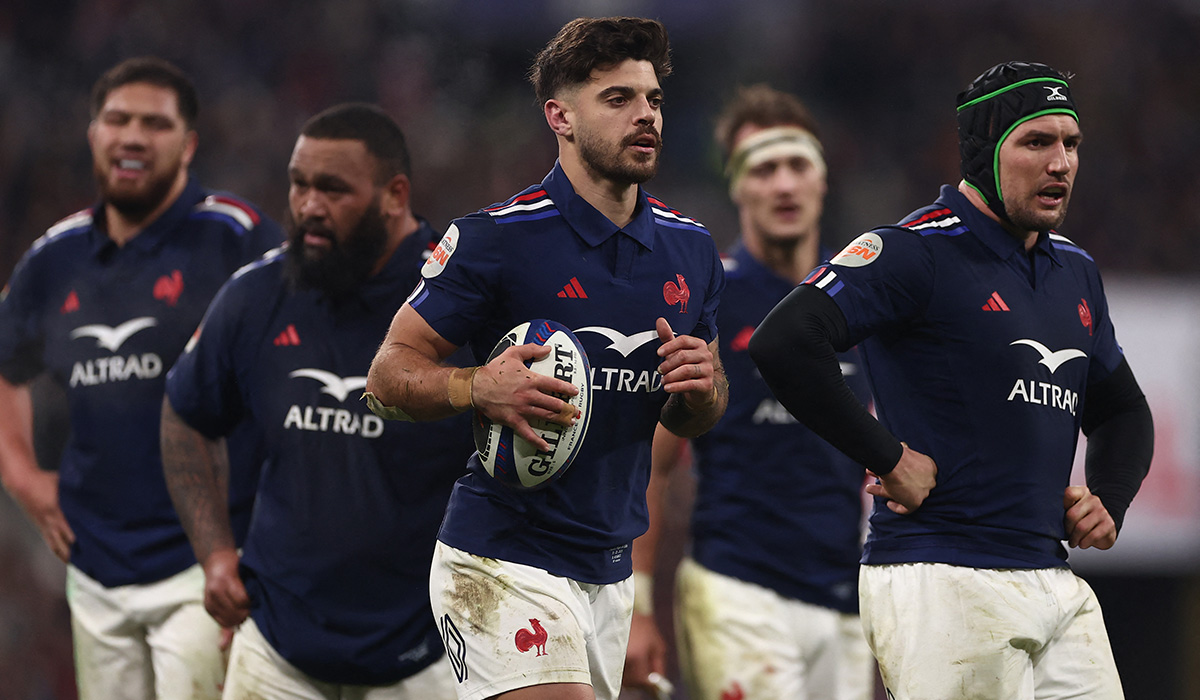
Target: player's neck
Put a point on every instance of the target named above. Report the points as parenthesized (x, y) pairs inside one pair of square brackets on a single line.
[(398, 230), (615, 200), (1028, 238), (122, 228), (790, 258)]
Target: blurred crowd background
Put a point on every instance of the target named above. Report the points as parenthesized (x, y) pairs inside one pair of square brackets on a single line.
[(880, 75)]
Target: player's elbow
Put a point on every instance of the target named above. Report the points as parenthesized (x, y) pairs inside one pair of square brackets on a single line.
[(768, 349)]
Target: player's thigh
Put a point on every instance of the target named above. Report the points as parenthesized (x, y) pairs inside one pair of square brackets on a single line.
[(184, 640), (434, 682), (734, 638), (507, 626), (1078, 660), (947, 631), (257, 671), (845, 669), (112, 659), (611, 612)]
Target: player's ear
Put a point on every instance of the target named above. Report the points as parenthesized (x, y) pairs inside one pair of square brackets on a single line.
[(191, 141), (559, 116), (394, 198)]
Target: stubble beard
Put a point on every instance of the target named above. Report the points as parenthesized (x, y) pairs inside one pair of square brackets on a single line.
[(612, 163), (135, 205), (1031, 218)]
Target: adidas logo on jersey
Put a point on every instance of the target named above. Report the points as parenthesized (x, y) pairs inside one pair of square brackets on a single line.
[(71, 303), (289, 336), (995, 303), (573, 290)]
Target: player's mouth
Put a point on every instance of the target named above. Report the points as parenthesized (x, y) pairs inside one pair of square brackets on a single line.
[(645, 143), (1052, 195), (786, 211), (316, 237), (130, 168)]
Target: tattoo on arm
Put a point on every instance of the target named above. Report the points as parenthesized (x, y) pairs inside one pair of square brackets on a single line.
[(197, 474)]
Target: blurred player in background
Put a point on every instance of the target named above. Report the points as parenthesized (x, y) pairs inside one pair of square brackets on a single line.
[(335, 575), (767, 601), (989, 345), (105, 302), (553, 566)]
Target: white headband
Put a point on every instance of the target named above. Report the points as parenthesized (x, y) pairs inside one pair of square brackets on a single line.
[(769, 144)]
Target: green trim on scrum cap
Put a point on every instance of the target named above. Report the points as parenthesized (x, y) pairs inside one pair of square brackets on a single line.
[(981, 194), (1006, 88), (1019, 122)]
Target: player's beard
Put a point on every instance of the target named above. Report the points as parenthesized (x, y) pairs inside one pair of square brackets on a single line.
[(136, 205), (1029, 218), (613, 161), (346, 264)]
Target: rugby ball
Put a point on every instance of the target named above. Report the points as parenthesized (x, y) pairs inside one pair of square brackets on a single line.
[(512, 459)]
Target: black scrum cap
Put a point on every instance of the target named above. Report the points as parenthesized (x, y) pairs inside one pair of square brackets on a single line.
[(994, 104)]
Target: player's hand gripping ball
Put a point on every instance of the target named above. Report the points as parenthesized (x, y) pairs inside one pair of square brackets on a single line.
[(513, 459)]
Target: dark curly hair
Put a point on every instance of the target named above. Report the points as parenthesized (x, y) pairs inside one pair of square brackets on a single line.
[(588, 43)]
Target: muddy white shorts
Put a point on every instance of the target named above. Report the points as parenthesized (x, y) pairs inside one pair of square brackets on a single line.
[(144, 641), (508, 626), (257, 671), (942, 631), (741, 640)]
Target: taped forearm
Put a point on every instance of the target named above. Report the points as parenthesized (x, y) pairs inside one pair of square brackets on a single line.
[(403, 384), (795, 350)]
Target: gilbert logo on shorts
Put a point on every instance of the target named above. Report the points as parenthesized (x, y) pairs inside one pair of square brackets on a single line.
[(536, 639)]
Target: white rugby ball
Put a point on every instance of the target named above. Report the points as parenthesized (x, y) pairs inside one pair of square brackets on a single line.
[(514, 460)]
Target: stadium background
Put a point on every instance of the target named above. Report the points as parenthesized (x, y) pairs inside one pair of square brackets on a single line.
[(880, 75)]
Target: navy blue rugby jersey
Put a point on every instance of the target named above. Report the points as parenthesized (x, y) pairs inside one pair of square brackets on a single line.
[(775, 504), (338, 554), (107, 322), (547, 253), (978, 356)]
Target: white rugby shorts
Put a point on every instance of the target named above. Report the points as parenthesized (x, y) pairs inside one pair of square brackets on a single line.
[(741, 640), (508, 626), (257, 671), (144, 641), (942, 631)]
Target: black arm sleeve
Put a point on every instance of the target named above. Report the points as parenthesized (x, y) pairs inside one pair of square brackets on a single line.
[(1120, 432), (795, 348)]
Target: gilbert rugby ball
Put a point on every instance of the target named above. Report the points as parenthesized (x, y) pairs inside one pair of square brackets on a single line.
[(514, 460)]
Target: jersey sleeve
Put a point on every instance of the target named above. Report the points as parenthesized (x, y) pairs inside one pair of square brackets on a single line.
[(460, 280), (203, 385), (881, 279), (706, 325), (21, 336), (265, 235), (1106, 353)]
